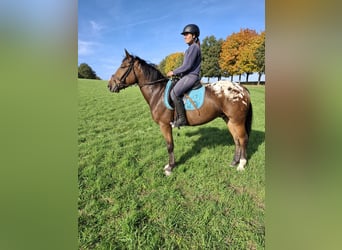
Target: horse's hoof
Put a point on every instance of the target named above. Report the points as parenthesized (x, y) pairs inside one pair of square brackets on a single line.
[(240, 168), (167, 170), (234, 163), (242, 164)]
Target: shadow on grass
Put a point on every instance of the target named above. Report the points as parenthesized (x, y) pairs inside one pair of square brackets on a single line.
[(211, 137)]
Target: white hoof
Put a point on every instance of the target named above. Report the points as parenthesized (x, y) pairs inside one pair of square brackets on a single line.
[(239, 168), (242, 164), (167, 170)]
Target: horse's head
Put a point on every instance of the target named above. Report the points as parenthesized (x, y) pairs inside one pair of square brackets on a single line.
[(124, 75)]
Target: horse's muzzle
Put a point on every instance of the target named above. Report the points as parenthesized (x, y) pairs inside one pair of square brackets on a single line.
[(114, 87)]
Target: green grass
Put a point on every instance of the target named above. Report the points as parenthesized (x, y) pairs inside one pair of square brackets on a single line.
[(126, 201)]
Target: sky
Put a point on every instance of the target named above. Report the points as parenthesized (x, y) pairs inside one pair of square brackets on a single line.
[(151, 29)]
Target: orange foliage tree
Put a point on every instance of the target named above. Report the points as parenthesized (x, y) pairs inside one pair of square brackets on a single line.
[(260, 55), (237, 53), (171, 62)]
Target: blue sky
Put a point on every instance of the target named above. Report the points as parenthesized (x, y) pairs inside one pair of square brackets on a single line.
[(151, 29)]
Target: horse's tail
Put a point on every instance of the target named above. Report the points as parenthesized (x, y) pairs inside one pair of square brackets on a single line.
[(249, 118)]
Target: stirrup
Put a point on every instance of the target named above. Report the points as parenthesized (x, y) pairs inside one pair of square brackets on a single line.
[(178, 123)]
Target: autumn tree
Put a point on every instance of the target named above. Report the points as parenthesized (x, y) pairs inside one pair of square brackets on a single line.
[(260, 56), (211, 49), (171, 62), (236, 57), (228, 55), (161, 66), (247, 60)]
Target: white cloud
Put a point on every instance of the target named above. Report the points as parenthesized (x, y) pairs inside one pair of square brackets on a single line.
[(85, 48), (95, 26)]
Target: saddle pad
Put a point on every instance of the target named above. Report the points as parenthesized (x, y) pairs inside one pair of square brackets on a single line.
[(197, 96)]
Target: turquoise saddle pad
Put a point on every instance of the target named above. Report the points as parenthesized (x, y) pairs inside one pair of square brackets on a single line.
[(197, 96)]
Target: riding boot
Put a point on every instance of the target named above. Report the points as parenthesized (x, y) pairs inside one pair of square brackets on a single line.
[(180, 111)]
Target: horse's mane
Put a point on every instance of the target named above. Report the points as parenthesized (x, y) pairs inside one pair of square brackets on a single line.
[(149, 69)]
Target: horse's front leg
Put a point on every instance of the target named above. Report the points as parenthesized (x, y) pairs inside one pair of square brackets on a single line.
[(167, 133)]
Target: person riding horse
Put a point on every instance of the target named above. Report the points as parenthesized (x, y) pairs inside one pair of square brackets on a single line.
[(227, 100), (189, 72)]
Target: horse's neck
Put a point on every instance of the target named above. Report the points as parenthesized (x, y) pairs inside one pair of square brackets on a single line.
[(152, 93), (151, 87)]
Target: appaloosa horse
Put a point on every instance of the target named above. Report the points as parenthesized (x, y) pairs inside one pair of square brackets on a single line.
[(224, 99)]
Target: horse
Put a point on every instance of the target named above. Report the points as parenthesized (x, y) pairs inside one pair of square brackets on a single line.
[(230, 101)]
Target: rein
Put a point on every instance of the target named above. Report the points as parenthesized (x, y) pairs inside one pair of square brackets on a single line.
[(153, 82)]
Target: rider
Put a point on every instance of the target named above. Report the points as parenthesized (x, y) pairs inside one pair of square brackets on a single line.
[(189, 72)]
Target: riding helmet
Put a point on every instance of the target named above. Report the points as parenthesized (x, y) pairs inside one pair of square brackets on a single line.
[(191, 28)]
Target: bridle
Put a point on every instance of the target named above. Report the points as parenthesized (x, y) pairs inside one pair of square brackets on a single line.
[(130, 68)]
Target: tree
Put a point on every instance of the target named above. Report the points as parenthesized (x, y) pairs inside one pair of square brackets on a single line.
[(228, 55), (161, 66), (260, 56), (247, 60), (211, 49), (85, 71), (235, 56), (171, 62)]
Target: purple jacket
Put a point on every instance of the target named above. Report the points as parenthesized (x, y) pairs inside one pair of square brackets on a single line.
[(192, 61)]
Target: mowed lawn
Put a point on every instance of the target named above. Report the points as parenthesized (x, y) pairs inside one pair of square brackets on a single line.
[(126, 201)]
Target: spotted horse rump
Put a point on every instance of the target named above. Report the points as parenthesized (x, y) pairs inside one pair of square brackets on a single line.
[(232, 90)]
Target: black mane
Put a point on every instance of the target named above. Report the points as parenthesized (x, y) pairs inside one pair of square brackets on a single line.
[(150, 70)]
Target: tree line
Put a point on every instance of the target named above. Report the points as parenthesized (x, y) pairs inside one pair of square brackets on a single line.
[(85, 71), (241, 53)]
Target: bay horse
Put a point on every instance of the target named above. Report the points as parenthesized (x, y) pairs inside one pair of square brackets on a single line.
[(230, 101)]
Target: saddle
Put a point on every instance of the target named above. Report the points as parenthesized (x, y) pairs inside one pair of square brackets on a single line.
[(193, 99)]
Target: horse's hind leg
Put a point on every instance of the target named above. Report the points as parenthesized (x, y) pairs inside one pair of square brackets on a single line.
[(240, 137), (236, 159)]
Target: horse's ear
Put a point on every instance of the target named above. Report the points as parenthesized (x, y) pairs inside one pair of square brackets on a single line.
[(127, 54)]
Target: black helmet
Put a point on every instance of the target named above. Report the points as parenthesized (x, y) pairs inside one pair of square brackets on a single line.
[(191, 28)]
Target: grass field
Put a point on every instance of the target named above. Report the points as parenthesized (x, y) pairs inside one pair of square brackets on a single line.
[(126, 201)]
